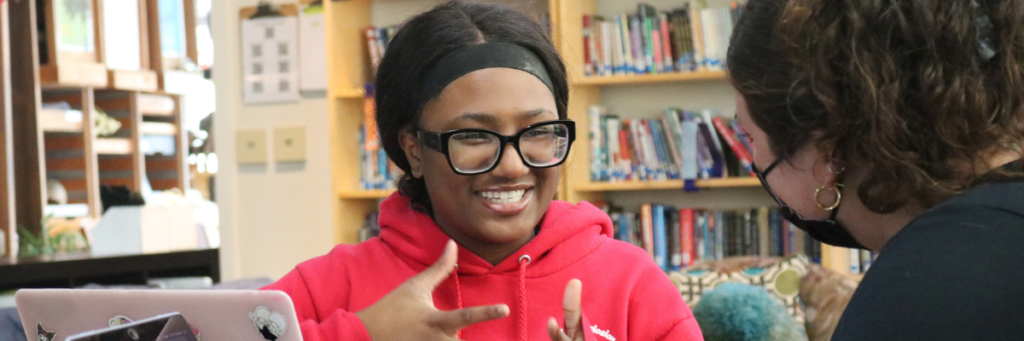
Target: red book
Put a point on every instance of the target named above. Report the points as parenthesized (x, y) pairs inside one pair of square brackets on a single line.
[(624, 152), (667, 43), (730, 138), (686, 241), (647, 229)]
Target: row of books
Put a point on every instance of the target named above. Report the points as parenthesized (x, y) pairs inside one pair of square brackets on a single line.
[(692, 38), (682, 144), (377, 39), (376, 171), (677, 238)]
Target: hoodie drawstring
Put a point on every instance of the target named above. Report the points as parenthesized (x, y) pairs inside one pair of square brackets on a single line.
[(523, 262)]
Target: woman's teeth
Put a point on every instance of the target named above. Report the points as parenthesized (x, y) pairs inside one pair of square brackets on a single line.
[(505, 197)]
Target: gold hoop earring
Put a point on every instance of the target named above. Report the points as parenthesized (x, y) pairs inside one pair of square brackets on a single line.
[(839, 196)]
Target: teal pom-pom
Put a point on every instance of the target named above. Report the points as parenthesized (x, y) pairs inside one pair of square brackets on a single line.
[(740, 312)]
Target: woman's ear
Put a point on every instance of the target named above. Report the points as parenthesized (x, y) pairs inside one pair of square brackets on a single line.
[(413, 152)]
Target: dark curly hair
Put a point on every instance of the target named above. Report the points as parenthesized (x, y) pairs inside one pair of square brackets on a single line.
[(897, 85), (422, 42)]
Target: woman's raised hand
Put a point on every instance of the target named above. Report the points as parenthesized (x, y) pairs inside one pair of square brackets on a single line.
[(408, 312)]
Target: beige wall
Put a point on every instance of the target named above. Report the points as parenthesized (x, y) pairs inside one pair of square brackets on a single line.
[(275, 216)]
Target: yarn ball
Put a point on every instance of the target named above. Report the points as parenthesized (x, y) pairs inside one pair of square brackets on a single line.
[(741, 312)]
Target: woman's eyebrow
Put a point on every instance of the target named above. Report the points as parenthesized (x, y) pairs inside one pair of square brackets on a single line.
[(490, 118)]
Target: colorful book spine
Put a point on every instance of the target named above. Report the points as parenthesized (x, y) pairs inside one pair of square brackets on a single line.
[(730, 139), (588, 36), (659, 236), (666, 43), (597, 163), (627, 43), (675, 238), (687, 233), (647, 229)]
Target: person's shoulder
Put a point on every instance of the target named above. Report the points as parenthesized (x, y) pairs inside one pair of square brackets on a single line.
[(343, 255)]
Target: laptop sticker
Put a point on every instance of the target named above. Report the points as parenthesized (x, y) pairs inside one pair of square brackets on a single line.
[(119, 320), (271, 325), (42, 334), (196, 332)]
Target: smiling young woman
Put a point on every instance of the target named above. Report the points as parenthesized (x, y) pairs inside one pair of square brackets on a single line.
[(897, 126), (471, 105)]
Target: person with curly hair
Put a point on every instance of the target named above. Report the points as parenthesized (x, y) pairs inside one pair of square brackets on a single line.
[(897, 126)]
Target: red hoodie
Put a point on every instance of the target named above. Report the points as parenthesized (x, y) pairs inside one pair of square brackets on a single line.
[(625, 295)]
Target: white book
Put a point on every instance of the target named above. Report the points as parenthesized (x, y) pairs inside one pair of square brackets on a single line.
[(612, 147), (606, 47), (596, 136), (710, 39), (627, 48), (618, 58), (697, 33)]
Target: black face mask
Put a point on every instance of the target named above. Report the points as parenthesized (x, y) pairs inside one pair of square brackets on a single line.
[(826, 231)]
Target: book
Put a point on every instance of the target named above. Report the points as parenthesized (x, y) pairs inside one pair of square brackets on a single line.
[(647, 229), (763, 225), (614, 157), (688, 235), (618, 63), (637, 37), (646, 12), (666, 41), (674, 240), (606, 47), (659, 236), (627, 43), (730, 138), (597, 170), (588, 47), (697, 33), (626, 156)]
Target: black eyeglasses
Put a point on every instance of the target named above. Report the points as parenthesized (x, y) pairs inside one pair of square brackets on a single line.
[(477, 151)]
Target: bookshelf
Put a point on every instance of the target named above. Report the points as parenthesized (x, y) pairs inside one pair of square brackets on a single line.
[(644, 95), (7, 208)]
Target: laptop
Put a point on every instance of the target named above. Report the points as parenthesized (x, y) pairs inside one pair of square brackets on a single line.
[(55, 314)]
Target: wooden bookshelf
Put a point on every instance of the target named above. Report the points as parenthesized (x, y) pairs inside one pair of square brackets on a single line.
[(374, 194), (7, 206), (651, 78), (665, 185)]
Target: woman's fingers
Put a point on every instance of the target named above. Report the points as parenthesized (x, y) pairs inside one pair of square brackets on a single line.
[(428, 280), (452, 321), (555, 333), (571, 303)]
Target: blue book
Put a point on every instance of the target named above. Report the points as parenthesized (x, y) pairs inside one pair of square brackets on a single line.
[(624, 230), (720, 235), (382, 167), (660, 247), (713, 149), (659, 148), (706, 240)]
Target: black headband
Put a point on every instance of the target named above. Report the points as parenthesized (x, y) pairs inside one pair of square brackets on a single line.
[(478, 57)]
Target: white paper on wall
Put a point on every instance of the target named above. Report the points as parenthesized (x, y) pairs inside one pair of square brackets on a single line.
[(270, 60), (313, 49)]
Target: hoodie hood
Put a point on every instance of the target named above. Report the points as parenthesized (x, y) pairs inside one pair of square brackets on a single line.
[(567, 233)]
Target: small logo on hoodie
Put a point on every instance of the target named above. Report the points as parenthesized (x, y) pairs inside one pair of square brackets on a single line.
[(603, 333)]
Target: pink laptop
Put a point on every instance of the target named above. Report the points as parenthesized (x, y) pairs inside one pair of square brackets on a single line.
[(55, 314)]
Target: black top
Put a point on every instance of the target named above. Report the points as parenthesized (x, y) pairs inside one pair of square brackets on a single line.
[(954, 273)]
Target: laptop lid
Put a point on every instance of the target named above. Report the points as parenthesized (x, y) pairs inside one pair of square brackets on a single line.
[(55, 314)]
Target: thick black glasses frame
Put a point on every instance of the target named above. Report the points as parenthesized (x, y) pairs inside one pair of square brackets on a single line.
[(439, 142)]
